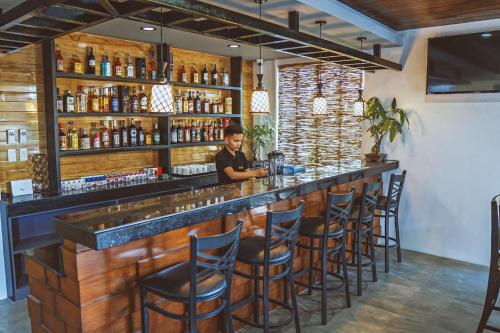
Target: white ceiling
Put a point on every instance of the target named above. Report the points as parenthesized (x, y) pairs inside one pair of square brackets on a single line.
[(275, 11)]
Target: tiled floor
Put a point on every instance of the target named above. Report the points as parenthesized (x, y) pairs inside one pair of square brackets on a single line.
[(422, 294)]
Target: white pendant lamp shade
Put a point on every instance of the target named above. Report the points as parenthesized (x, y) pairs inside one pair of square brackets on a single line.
[(319, 106), (359, 105), (260, 98)]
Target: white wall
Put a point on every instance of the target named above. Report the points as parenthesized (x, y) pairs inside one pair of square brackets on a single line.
[(451, 153), (3, 286)]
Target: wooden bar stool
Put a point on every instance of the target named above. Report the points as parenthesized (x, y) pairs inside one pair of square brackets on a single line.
[(362, 229), (205, 277), (389, 206), (276, 248), (494, 277), (332, 227)]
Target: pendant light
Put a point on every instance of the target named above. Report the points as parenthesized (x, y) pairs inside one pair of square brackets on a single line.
[(260, 96), (162, 96), (319, 102), (359, 105)]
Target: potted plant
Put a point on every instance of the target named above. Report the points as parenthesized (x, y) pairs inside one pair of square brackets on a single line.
[(383, 122), (260, 136)]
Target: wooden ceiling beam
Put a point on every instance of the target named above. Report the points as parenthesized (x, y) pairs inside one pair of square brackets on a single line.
[(24, 11), (17, 38), (109, 7)]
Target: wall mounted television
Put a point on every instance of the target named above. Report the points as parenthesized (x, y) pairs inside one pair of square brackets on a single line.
[(464, 64)]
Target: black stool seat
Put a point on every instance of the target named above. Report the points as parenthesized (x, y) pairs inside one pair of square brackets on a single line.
[(252, 251), (382, 202), (173, 283), (314, 226)]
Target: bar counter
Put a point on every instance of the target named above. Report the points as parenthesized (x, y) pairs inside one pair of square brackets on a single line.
[(107, 250)]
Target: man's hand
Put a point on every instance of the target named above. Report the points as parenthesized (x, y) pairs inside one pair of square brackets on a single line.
[(261, 172)]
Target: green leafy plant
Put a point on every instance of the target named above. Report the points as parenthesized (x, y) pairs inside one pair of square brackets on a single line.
[(260, 136), (383, 122)]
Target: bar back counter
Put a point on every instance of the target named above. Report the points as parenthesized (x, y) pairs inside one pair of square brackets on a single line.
[(89, 284)]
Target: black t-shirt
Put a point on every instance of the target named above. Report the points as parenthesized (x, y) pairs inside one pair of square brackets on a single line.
[(225, 159)]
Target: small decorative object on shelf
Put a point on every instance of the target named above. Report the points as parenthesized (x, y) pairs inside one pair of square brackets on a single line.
[(59, 60), (40, 167)]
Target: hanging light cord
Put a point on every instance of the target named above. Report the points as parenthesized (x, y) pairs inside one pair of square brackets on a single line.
[(320, 39), (162, 77), (260, 39)]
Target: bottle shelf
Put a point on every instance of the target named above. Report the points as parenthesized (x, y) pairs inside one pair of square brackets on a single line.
[(110, 150), (92, 77), (204, 86), (205, 115), (195, 144), (113, 114)]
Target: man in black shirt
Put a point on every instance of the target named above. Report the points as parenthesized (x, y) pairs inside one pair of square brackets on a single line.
[(232, 164)]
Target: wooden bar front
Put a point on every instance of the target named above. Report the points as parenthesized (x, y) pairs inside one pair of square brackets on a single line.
[(99, 293)]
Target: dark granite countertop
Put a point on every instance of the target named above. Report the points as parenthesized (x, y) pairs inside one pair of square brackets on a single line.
[(118, 224)]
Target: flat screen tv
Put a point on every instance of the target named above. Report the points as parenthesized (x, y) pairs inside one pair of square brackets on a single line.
[(464, 64)]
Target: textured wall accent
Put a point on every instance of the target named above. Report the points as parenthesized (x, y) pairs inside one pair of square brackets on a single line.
[(327, 140)]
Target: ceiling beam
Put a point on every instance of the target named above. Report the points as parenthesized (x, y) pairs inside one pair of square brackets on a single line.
[(24, 11), (109, 8), (345, 13)]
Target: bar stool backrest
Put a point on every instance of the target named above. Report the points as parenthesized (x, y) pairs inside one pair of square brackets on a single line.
[(339, 208), (213, 254), (369, 199), (495, 245), (395, 189), (282, 228)]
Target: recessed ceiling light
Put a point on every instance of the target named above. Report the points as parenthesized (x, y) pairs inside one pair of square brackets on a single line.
[(148, 28), (486, 34), (233, 46)]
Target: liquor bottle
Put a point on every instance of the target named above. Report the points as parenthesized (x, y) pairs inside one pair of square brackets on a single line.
[(105, 100), (117, 66), (129, 68), (187, 133), (91, 62), (132, 133), (197, 132), (203, 133), (156, 135), (190, 103), (94, 101), (103, 66), (152, 65), (180, 134), (134, 100), (173, 133), (197, 103), (114, 101), (115, 136), (192, 130), (178, 102), (124, 134), (210, 132), (143, 101), (59, 103), (105, 135), (221, 131), (74, 139), (81, 100), (63, 140), (59, 60), (215, 76), (95, 136), (140, 134), (225, 77), (204, 75), (84, 139), (183, 74), (108, 67), (149, 137), (185, 103), (69, 102), (196, 75), (76, 65), (206, 104), (216, 132)]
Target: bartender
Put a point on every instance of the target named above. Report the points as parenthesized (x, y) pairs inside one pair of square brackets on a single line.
[(232, 164)]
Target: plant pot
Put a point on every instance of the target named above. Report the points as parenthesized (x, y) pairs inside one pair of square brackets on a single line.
[(372, 157)]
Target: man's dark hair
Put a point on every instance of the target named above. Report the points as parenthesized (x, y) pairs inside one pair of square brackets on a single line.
[(233, 129)]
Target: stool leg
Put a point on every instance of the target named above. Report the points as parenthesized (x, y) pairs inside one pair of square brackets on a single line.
[(396, 226), (372, 253), (311, 266), (145, 314), (358, 258), (323, 282), (228, 322), (265, 296), (256, 291), (386, 240), (293, 295), (338, 262), (346, 275), (489, 303), (192, 317), (353, 243)]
